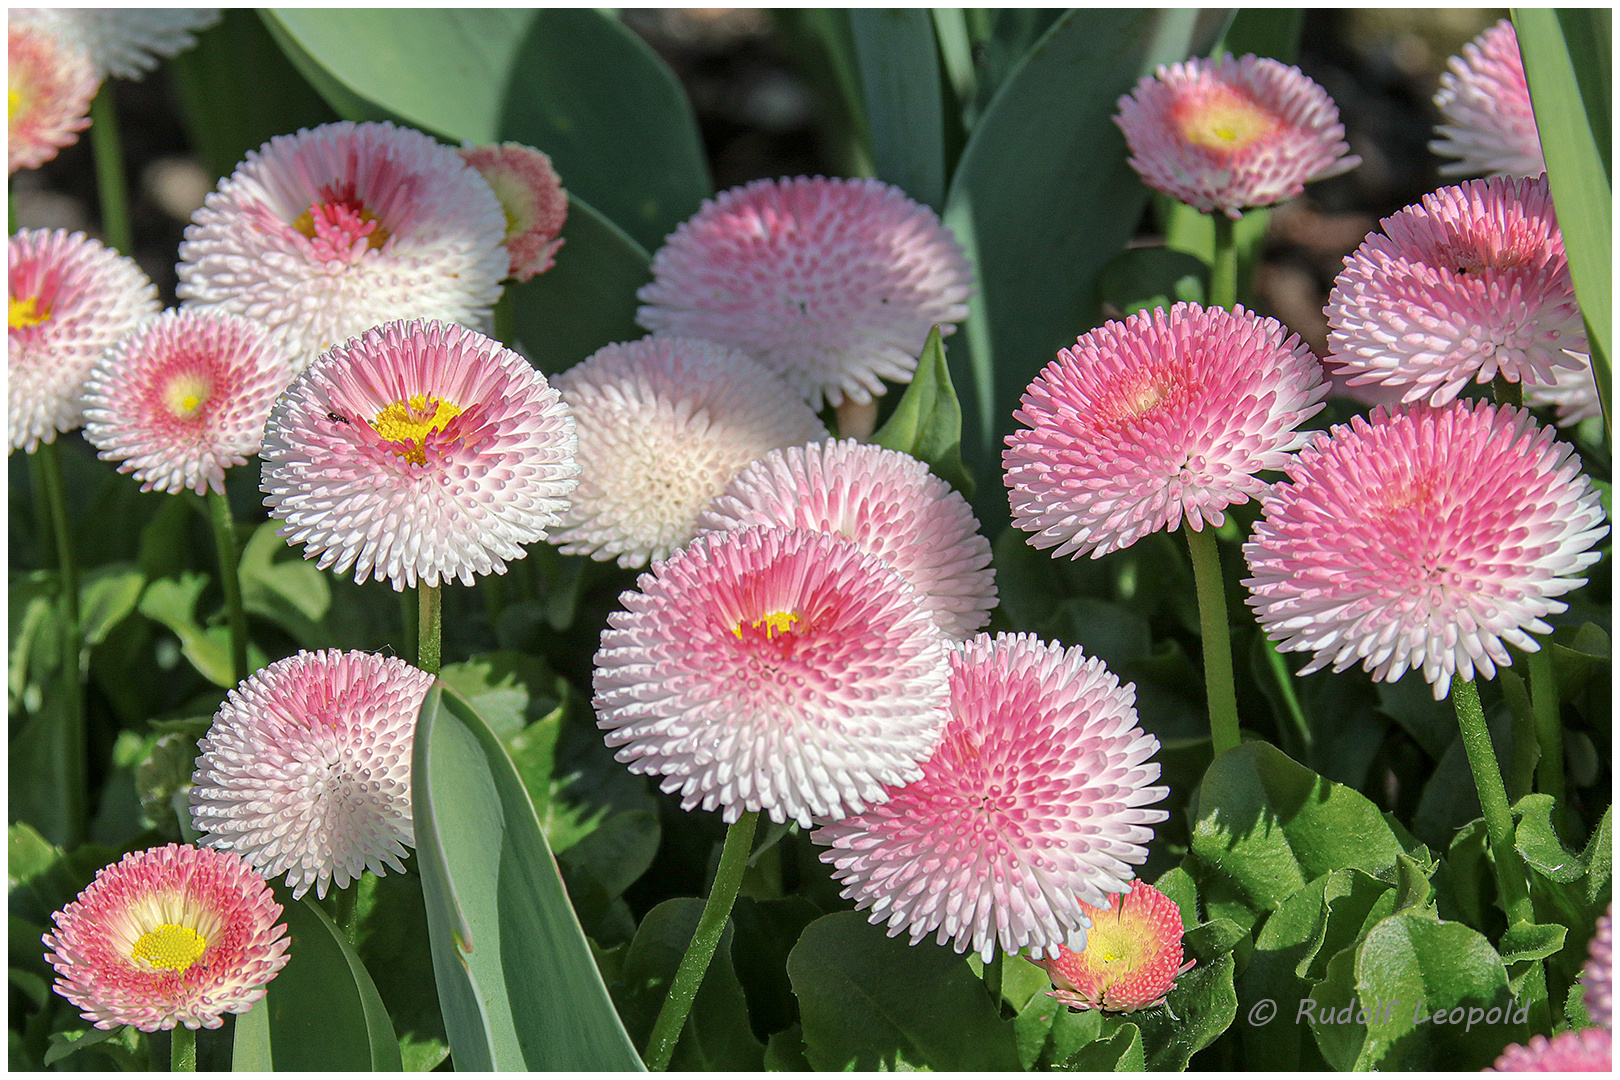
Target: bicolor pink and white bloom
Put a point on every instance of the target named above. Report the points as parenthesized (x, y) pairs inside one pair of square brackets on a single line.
[(1128, 960), (1597, 977), (50, 84), (183, 398), (1485, 102), (71, 299), (664, 424), (1425, 540), (1166, 415), (532, 198), (1223, 135), (167, 937), (832, 284), (772, 669), (1031, 807), (1587, 1050), (1468, 285), (306, 769), (884, 500), (324, 234), (1573, 391), (419, 451), (124, 43)]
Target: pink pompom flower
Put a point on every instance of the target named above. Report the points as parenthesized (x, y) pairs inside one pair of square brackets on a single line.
[(122, 42), (183, 398), (532, 198), (664, 424), (1129, 959), (1166, 415), (1485, 103), (324, 234), (1423, 540), (168, 936), (1587, 1050), (306, 769), (772, 669), (50, 84), (419, 450), (887, 502), (1031, 807), (833, 284), (1470, 284), (1229, 134), (1597, 977), (71, 298)]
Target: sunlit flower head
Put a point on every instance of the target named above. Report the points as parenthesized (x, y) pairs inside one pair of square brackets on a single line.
[(183, 398), (532, 199), (1597, 977), (1229, 134), (1426, 540), (1162, 416), (1485, 103), (1587, 1050), (887, 502), (1470, 284), (324, 234), (833, 284), (664, 424), (306, 769), (1030, 808), (50, 84), (70, 300), (772, 669), (418, 451), (1128, 959), (168, 936)]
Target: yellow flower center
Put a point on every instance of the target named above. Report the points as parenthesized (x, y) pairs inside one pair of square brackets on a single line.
[(170, 947), (1119, 944), (773, 623), (412, 421), (1225, 121), (184, 396), (25, 312)]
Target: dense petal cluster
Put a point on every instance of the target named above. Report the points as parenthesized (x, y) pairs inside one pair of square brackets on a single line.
[(168, 936), (887, 502), (50, 84), (664, 424), (1485, 103), (772, 669), (1423, 540), (1128, 959), (126, 42), (183, 398), (323, 234), (71, 299), (531, 197), (1031, 806), (832, 284), (306, 769), (1588, 1050), (1162, 416), (418, 451), (1597, 977), (1573, 391), (1228, 134), (1469, 284)]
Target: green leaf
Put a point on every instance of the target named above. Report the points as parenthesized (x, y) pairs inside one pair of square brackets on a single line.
[(1141, 279), (868, 1001), (64, 1043), (927, 422), (1272, 32), (518, 987), (572, 82), (173, 602), (1283, 950), (1120, 1051), (1531, 941), (392, 937), (280, 585), (107, 593), (1202, 1005), (250, 1042), (1048, 1033), (899, 71)]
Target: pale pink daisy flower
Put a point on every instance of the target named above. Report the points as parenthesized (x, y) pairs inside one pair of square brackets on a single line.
[(419, 450), (772, 669), (664, 424), (1485, 102), (1587, 1050), (1163, 416), (1423, 540), (532, 198), (71, 298), (306, 769), (833, 284), (1573, 391), (1127, 960), (50, 84), (1597, 977), (1229, 134), (1031, 806), (1470, 284), (168, 936), (887, 502), (324, 234), (183, 398), (123, 42)]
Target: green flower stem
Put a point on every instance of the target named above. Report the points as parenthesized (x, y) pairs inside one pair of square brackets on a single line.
[(182, 1049), (1549, 729), (343, 905), (1510, 873), (689, 976), (1223, 273), (1507, 393), (1218, 686), (505, 327), (429, 624), (219, 512), (74, 765), (992, 980), (110, 183)]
